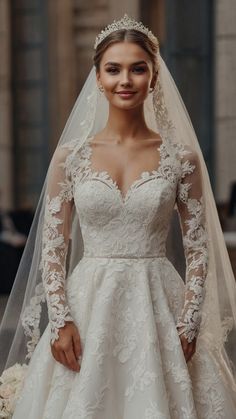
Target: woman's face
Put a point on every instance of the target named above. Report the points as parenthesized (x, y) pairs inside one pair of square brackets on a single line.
[(126, 74)]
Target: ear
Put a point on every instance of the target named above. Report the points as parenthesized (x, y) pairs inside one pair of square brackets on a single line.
[(98, 77), (154, 79)]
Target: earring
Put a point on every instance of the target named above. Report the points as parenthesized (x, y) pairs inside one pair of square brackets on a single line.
[(151, 90), (101, 88)]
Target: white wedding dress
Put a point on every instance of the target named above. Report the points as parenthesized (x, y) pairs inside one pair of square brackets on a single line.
[(126, 298)]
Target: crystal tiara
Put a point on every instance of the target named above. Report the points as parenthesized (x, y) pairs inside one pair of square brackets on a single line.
[(125, 23)]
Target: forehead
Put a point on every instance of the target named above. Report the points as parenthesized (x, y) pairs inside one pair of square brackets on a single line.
[(125, 53)]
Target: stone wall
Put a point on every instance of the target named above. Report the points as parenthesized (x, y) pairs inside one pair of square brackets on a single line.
[(225, 97), (5, 108)]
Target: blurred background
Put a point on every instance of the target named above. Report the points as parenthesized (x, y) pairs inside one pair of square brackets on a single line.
[(46, 50)]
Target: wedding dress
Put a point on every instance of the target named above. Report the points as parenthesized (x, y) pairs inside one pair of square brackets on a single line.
[(126, 297), (111, 261)]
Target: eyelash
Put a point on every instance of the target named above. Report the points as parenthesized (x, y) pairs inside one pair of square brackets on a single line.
[(140, 70)]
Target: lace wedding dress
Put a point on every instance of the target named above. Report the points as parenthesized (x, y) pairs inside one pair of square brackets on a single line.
[(127, 299)]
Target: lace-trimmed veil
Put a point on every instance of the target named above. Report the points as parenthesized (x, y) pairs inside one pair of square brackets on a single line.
[(25, 317)]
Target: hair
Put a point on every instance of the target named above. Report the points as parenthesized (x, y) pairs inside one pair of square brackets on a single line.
[(128, 35)]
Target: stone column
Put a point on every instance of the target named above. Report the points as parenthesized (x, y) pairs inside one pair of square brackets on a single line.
[(225, 94), (118, 8), (62, 65), (153, 14), (5, 108)]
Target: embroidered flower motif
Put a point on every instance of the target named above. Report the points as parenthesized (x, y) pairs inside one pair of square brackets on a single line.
[(192, 213)]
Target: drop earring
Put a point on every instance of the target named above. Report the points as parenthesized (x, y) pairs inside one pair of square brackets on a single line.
[(101, 88), (151, 90)]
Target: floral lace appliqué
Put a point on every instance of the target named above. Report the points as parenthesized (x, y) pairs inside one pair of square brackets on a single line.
[(192, 215)]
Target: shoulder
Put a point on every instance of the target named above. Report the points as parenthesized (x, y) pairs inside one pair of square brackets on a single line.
[(63, 151), (68, 155), (185, 152), (188, 157), (60, 154), (59, 163)]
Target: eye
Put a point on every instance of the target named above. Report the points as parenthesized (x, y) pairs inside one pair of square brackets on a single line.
[(139, 70), (112, 70)]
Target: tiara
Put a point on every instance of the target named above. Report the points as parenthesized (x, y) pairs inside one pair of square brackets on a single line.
[(125, 23)]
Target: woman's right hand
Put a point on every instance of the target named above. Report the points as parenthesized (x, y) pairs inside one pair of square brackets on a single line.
[(67, 348)]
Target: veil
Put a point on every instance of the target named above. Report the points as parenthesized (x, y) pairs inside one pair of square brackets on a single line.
[(26, 318)]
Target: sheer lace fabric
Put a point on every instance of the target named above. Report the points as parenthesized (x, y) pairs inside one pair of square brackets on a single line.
[(192, 217), (56, 233)]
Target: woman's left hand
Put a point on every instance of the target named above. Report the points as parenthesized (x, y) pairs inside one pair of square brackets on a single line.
[(189, 348)]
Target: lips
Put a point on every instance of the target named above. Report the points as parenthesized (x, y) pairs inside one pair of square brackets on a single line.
[(126, 91), (126, 94)]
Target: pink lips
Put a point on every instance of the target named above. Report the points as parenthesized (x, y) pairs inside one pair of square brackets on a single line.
[(126, 94)]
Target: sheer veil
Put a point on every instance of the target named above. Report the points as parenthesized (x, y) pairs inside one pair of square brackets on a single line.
[(25, 317)]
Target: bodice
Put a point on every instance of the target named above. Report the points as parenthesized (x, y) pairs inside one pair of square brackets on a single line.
[(135, 225)]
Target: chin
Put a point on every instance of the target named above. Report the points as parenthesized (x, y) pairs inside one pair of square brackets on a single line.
[(127, 104)]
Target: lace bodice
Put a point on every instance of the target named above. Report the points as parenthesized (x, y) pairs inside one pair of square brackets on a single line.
[(134, 225)]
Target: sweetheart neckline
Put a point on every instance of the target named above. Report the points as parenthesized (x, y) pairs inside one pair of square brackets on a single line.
[(123, 197)]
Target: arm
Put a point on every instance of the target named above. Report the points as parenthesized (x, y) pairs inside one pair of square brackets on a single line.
[(192, 218), (55, 239)]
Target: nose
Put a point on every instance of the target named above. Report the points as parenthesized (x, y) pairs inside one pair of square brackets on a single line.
[(125, 79)]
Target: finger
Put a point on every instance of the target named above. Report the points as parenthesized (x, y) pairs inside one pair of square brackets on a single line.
[(63, 359), (190, 353), (184, 340), (71, 360), (58, 355), (186, 350), (55, 354), (185, 347), (76, 345), (186, 355)]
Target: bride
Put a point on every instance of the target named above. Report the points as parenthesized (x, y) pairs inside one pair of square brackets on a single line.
[(109, 327)]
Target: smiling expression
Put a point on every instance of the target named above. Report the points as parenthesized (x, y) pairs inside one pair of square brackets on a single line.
[(126, 74)]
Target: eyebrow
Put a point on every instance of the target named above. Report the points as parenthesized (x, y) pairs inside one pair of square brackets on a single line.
[(118, 65)]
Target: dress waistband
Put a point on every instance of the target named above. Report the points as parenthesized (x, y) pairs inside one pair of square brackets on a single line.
[(125, 257)]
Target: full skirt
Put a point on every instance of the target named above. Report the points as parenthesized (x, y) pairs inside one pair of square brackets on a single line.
[(132, 366)]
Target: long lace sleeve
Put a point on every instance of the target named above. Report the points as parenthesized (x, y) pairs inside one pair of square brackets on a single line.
[(55, 239), (192, 218)]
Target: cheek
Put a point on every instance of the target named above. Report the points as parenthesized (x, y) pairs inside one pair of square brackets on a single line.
[(143, 82), (110, 85), (108, 82)]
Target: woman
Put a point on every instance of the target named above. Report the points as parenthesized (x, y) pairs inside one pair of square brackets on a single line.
[(126, 339)]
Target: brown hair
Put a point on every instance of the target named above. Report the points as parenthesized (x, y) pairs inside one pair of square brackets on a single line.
[(129, 35)]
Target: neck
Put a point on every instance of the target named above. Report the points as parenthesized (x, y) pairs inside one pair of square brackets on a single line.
[(123, 123)]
